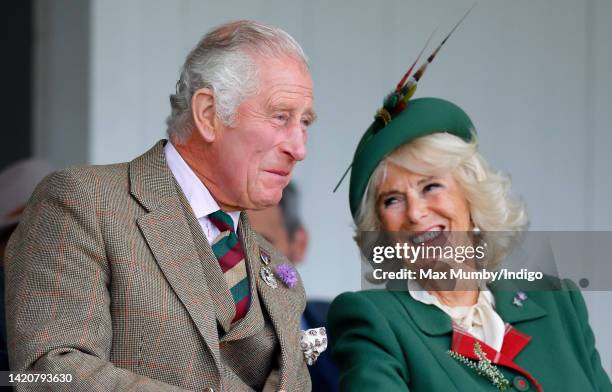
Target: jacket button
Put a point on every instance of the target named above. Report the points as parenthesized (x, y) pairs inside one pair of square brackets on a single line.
[(208, 390), (520, 383)]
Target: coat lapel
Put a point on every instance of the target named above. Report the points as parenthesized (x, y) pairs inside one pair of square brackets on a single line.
[(284, 306), (224, 305), (504, 293), (428, 318), (514, 341), (434, 322), (168, 235)]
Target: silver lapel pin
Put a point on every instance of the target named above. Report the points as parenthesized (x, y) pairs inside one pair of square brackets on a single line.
[(265, 271), (519, 298)]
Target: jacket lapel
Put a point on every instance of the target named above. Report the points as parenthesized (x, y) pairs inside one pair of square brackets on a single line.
[(428, 318), (224, 305), (284, 306), (434, 322), (504, 293), (514, 341), (168, 235)]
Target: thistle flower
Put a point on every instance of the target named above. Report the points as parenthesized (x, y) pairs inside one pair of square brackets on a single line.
[(287, 274)]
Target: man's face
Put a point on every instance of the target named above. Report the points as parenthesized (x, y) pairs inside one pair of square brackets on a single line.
[(258, 153)]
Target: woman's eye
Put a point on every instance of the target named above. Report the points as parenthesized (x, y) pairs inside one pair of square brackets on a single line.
[(389, 201), (431, 187)]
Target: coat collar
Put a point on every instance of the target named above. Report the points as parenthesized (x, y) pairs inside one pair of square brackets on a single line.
[(504, 293), (151, 181), (434, 322), (429, 319), (514, 342), (284, 306)]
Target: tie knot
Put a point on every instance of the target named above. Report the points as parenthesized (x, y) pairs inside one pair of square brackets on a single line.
[(222, 221)]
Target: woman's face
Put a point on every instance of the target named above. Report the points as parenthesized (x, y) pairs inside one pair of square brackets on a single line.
[(411, 202)]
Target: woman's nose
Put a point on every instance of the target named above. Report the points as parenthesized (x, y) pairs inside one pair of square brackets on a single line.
[(417, 209)]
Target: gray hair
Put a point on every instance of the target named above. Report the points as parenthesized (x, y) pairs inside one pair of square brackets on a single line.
[(222, 61)]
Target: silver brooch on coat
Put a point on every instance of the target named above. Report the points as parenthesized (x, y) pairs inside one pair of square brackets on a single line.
[(519, 298), (313, 342), (265, 272)]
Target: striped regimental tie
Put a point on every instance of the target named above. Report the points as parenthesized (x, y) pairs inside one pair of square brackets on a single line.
[(228, 250)]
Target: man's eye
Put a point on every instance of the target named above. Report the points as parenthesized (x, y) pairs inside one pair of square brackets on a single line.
[(281, 117), (306, 122)]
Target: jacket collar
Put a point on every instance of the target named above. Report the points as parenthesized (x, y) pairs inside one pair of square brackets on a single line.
[(428, 318), (151, 181), (434, 322), (284, 306), (504, 292)]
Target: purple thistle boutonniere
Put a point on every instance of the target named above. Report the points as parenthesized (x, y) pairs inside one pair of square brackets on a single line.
[(287, 274)]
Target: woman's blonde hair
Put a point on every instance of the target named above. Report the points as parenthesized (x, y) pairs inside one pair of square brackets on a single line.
[(500, 218)]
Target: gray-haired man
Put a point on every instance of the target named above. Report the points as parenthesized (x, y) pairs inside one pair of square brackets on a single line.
[(146, 275)]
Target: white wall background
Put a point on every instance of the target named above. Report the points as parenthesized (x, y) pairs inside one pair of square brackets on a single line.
[(531, 74)]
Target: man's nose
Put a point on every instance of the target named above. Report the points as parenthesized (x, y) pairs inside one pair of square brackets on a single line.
[(295, 144)]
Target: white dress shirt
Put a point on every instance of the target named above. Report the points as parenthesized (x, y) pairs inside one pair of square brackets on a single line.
[(201, 201), (480, 320)]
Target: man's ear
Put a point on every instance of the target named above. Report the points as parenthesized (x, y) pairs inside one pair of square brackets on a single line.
[(204, 113)]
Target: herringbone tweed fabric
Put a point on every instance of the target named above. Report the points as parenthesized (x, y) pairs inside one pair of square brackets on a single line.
[(105, 281)]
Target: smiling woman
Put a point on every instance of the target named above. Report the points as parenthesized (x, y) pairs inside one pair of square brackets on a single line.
[(439, 182), (419, 180)]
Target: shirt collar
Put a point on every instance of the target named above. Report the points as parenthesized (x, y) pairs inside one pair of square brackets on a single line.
[(418, 293), (201, 201)]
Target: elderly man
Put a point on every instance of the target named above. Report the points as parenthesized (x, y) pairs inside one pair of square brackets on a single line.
[(146, 275)]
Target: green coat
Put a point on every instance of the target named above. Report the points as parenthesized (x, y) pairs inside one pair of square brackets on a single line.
[(387, 341)]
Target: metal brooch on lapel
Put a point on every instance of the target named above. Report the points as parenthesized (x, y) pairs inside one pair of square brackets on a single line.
[(265, 272), (519, 298)]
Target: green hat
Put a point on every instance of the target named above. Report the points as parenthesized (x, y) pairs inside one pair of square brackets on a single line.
[(421, 117), (402, 120)]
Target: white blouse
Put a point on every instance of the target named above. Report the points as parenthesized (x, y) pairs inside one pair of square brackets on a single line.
[(480, 320)]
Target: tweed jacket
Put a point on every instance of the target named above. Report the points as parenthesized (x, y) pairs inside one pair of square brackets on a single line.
[(387, 341), (105, 281)]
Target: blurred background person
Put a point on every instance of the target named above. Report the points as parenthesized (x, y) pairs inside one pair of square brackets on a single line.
[(282, 227)]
